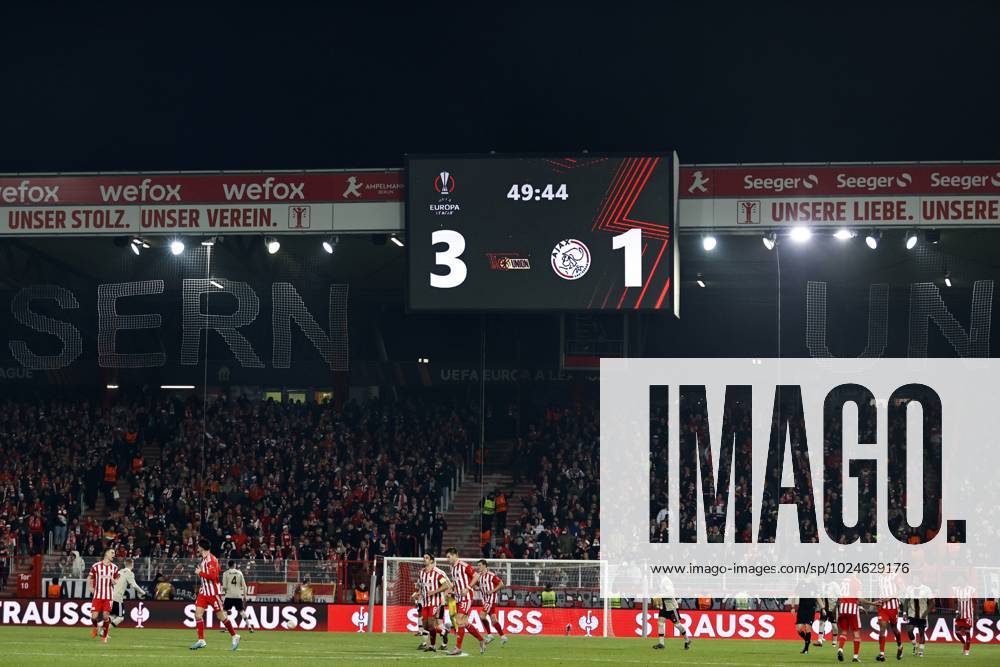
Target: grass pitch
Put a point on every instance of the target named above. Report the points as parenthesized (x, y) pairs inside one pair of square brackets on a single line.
[(37, 646)]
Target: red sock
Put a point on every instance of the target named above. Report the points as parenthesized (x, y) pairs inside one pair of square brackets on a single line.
[(475, 633), (968, 641), (461, 636), (499, 627), (841, 640), (432, 636), (229, 626), (107, 627), (201, 629), (857, 647), (881, 643)]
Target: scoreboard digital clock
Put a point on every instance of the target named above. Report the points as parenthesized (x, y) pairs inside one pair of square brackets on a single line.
[(567, 233)]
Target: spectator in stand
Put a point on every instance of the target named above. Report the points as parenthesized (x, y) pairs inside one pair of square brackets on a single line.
[(36, 530), (5, 555), (77, 565), (501, 511), (162, 588), (437, 533), (306, 592)]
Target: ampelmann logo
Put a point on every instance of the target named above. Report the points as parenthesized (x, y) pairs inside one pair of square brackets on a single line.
[(788, 463)]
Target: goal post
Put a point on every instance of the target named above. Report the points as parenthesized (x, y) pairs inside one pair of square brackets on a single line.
[(576, 583)]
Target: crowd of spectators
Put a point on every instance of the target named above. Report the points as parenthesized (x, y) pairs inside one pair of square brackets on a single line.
[(300, 481), (56, 458), (559, 518), (260, 479)]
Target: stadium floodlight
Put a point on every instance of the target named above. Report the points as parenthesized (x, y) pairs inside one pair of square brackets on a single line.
[(176, 386), (708, 242), (874, 236), (700, 281), (215, 283), (177, 247), (932, 236), (138, 245), (911, 240), (800, 234), (272, 244), (330, 244), (770, 240), (395, 239), (947, 278), (112, 386), (209, 241), (844, 234)]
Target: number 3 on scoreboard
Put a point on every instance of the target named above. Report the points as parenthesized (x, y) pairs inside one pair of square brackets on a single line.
[(632, 242), (449, 258)]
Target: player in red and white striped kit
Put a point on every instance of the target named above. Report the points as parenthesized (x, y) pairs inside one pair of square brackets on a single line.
[(103, 576), (489, 585), (464, 579), (210, 595), (888, 616), (965, 615), (434, 585), (849, 617)]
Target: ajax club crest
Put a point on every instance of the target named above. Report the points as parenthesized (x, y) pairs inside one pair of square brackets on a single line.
[(570, 259)]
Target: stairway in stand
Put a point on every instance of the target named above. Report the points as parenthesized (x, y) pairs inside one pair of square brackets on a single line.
[(464, 514)]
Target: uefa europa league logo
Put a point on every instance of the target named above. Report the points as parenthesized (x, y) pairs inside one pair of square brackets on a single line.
[(444, 183)]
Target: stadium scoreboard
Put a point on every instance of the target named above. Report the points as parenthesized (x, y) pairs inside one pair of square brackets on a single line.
[(527, 233)]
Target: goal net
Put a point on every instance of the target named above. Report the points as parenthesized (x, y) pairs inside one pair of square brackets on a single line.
[(579, 608)]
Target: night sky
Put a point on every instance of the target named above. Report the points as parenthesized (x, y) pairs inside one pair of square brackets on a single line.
[(301, 85)]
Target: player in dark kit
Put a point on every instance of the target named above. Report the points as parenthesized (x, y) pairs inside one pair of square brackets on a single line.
[(805, 614)]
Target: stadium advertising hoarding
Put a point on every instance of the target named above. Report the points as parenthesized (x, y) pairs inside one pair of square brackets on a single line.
[(203, 204), (517, 621), (738, 197), (159, 614)]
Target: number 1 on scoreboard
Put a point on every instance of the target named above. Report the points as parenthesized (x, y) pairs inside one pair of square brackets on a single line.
[(632, 242)]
